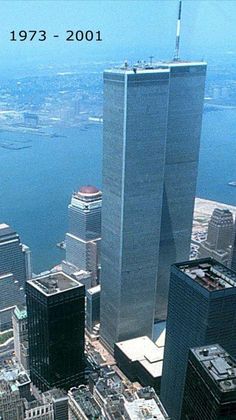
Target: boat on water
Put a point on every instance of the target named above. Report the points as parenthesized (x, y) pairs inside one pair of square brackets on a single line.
[(61, 245), (232, 183), (13, 147), (55, 135)]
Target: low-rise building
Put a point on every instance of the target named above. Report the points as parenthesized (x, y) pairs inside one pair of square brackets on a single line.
[(141, 360), (82, 405)]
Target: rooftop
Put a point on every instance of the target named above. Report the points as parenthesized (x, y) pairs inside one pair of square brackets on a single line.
[(145, 409), (87, 193), (3, 226), (6, 230), (209, 273), (83, 397), (20, 312), (143, 349), (219, 365), (13, 375), (94, 290), (55, 394), (88, 189), (156, 67), (54, 283)]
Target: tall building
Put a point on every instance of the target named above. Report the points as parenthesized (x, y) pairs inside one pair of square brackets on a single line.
[(84, 236), (210, 378), (20, 334), (219, 237), (183, 131), (93, 307), (201, 311), (11, 295), (55, 307), (152, 124), (233, 255), (14, 256), (135, 109)]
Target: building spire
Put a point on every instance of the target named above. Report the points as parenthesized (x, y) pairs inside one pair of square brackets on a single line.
[(176, 55)]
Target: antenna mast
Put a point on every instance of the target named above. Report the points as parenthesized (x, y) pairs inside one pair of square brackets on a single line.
[(176, 56)]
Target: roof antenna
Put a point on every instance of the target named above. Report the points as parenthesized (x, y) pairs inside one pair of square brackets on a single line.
[(176, 56), (151, 57)]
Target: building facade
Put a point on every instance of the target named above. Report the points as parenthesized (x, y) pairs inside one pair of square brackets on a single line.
[(201, 311), (141, 361), (93, 307), (152, 124), (82, 405), (14, 256), (219, 237), (233, 256), (135, 110), (210, 378), (183, 132), (56, 322), (12, 294), (11, 403), (20, 334), (84, 236)]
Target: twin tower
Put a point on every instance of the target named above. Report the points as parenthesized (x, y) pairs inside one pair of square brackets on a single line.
[(152, 127)]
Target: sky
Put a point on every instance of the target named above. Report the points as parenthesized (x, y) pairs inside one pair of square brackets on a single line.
[(130, 29)]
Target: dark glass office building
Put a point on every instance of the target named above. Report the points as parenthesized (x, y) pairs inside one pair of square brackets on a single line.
[(201, 311), (210, 385), (14, 256), (56, 321)]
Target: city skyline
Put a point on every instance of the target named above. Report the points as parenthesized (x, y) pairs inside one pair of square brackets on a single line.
[(58, 106), (88, 326)]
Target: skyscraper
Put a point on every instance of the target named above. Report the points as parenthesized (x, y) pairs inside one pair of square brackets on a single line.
[(183, 131), (14, 256), (219, 237), (84, 236), (152, 125), (93, 307), (201, 311), (210, 378), (55, 307), (12, 294), (135, 112), (233, 256), (20, 334)]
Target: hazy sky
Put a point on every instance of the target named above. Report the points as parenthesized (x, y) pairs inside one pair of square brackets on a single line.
[(132, 29)]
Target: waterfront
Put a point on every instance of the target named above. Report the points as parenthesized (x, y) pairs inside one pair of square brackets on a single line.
[(37, 182)]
